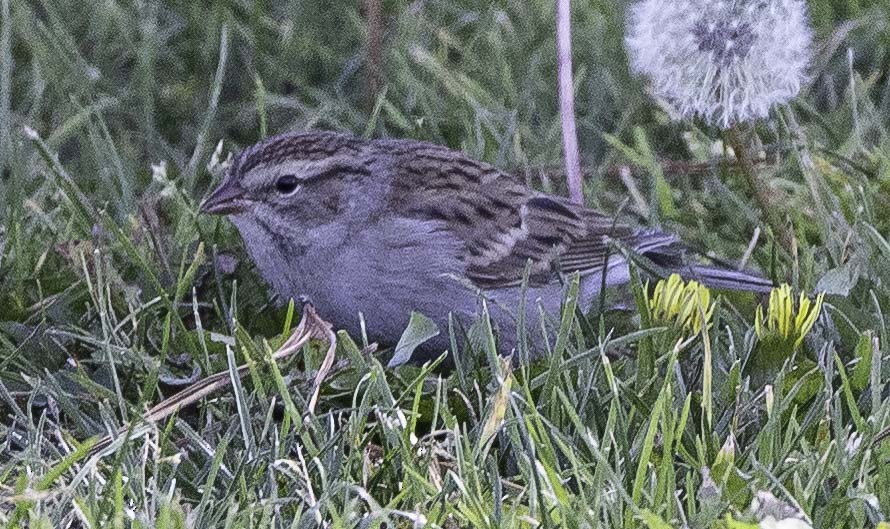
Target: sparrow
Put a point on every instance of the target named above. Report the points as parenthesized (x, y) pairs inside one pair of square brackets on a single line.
[(379, 229)]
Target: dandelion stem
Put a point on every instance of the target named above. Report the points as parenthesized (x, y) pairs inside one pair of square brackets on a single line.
[(739, 141), (567, 99)]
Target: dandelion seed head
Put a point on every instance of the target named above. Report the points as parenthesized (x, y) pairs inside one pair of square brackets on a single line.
[(726, 61), (728, 40)]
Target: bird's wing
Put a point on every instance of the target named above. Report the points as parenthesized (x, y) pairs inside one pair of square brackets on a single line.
[(555, 237), (504, 225)]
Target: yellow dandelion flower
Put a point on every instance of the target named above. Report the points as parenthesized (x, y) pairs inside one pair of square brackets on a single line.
[(686, 305), (782, 321)]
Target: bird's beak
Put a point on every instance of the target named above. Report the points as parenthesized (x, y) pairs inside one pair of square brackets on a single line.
[(227, 199)]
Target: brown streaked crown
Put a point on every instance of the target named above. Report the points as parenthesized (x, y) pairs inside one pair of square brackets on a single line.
[(299, 145)]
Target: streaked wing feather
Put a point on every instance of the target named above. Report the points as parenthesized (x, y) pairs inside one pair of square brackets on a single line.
[(581, 241), (504, 225)]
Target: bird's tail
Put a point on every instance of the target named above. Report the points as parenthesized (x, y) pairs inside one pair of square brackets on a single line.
[(661, 255), (726, 278), (671, 256)]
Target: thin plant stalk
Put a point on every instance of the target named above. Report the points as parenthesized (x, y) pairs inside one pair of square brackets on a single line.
[(567, 99), (739, 140), (212, 107), (373, 48), (6, 61)]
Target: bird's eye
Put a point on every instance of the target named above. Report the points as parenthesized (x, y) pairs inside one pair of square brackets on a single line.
[(286, 184)]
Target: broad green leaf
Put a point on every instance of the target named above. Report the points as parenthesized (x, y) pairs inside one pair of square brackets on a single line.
[(419, 330)]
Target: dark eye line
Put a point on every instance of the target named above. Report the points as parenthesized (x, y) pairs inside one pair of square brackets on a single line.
[(288, 183)]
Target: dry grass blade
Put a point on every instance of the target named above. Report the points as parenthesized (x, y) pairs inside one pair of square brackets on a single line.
[(320, 329), (311, 326)]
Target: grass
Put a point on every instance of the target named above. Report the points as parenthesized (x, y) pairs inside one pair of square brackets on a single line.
[(115, 294)]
